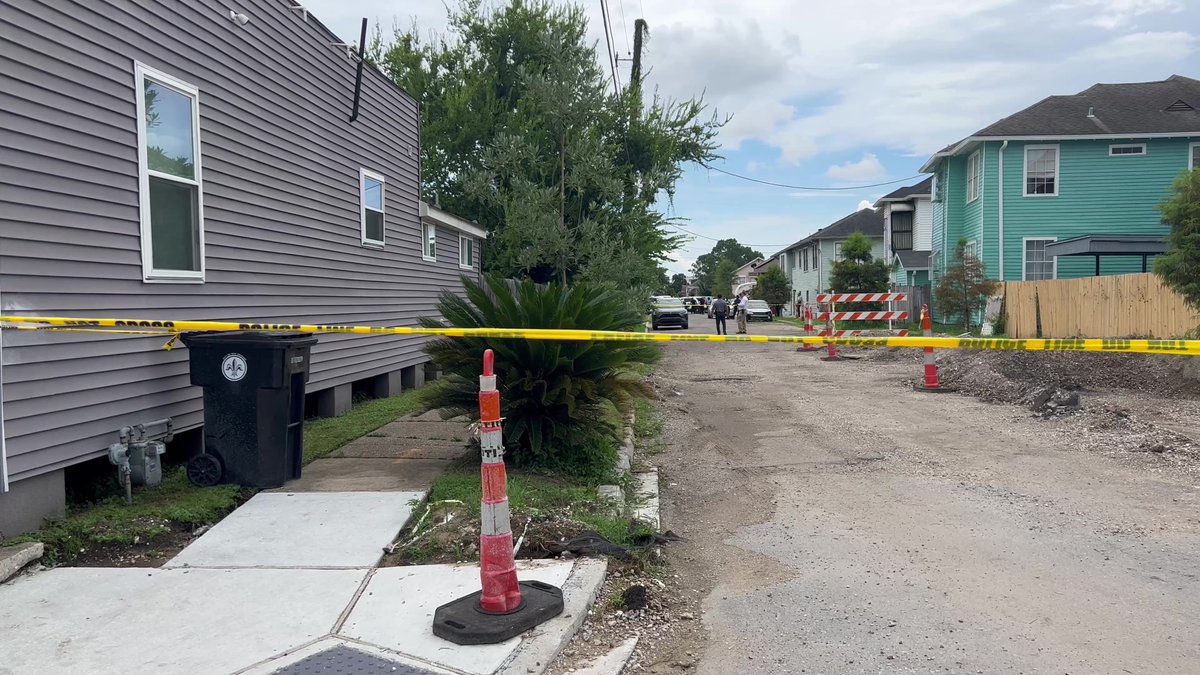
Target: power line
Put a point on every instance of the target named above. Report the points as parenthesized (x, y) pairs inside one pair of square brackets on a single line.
[(806, 187), (704, 236), (610, 45)]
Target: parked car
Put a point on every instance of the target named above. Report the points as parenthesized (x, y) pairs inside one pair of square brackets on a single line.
[(696, 305), (666, 311), (759, 310)]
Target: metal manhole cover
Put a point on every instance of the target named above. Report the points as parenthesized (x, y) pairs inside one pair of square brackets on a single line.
[(342, 660)]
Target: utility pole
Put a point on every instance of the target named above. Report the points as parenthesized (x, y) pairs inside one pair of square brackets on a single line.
[(640, 29)]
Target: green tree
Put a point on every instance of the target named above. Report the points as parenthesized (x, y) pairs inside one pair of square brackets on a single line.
[(678, 281), (774, 287), (521, 133), (1179, 267), (705, 268), (856, 270), (964, 289), (722, 278)]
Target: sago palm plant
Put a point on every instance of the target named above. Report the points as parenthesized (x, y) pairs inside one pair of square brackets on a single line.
[(554, 394)]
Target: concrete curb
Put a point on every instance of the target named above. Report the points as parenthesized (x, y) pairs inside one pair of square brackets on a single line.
[(612, 663), (14, 558), (541, 648), (645, 504)]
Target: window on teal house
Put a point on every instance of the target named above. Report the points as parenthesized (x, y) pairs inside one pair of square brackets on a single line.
[(974, 176), (1036, 265), (1041, 171), (1194, 155), (1126, 149)]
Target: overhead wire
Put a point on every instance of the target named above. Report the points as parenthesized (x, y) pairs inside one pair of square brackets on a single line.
[(809, 187), (705, 236)]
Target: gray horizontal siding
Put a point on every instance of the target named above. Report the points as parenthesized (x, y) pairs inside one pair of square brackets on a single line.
[(280, 168)]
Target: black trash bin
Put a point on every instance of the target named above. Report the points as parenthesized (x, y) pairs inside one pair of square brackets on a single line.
[(253, 406)]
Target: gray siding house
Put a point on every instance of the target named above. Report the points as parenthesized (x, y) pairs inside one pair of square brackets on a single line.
[(179, 159)]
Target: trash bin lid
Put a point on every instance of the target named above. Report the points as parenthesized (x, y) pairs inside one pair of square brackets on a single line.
[(250, 337)]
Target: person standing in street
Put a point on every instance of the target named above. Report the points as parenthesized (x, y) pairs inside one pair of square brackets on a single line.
[(717, 310), (743, 305)]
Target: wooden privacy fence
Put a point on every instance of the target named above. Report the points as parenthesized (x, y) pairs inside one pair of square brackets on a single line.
[(1125, 305)]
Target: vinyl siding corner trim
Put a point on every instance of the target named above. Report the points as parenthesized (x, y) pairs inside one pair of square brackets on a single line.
[(143, 73)]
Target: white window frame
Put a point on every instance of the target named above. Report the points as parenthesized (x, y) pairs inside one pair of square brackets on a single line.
[(142, 73), (975, 176), (1142, 146), (470, 246), (972, 247), (933, 187), (1025, 252), (1192, 155), (428, 236), (1057, 170), (363, 175)]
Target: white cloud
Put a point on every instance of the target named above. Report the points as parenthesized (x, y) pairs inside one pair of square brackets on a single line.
[(864, 204), (867, 169), (752, 166), (812, 80)]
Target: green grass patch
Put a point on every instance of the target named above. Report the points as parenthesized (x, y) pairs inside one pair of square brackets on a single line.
[(323, 436), (538, 495), (173, 505)]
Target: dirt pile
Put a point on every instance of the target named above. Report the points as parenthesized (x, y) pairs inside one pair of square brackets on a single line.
[(985, 373), (1110, 403)]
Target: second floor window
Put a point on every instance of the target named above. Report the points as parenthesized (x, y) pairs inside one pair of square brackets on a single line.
[(1041, 170), (974, 176), (902, 230)]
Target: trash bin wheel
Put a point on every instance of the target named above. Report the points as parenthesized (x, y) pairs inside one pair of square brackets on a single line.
[(204, 470)]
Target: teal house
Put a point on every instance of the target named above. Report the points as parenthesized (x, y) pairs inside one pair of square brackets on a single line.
[(1067, 187)]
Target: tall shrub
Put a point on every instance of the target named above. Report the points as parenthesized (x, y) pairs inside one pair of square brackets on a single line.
[(964, 289), (1179, 267), (554, 395)]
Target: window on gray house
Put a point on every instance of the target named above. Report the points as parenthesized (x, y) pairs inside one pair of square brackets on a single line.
[(169, 154), (466, 252), (902, 230), (372, 207)]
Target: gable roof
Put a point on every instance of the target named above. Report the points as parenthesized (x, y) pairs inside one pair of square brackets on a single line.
[(905, 193), (867, 221), (750, 265), (1126, 110)]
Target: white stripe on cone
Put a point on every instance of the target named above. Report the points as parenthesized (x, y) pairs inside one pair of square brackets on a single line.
[(495, 518)]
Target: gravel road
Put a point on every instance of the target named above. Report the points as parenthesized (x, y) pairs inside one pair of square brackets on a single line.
[(840, 522)]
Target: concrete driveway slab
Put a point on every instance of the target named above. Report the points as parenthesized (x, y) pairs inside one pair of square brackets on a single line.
[(396, 612), (373, 474), (303, 530), (138, 620)]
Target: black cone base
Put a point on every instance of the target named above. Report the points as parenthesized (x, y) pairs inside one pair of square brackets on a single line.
[(463, 623), (933, 390)]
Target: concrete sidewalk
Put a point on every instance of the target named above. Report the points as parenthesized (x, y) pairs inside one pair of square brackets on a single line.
[(287, 583)]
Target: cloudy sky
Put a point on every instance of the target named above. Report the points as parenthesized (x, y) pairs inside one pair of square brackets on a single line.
[(854, 92)]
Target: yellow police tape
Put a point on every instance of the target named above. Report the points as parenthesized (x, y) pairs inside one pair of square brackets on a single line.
[(1118, 346)]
